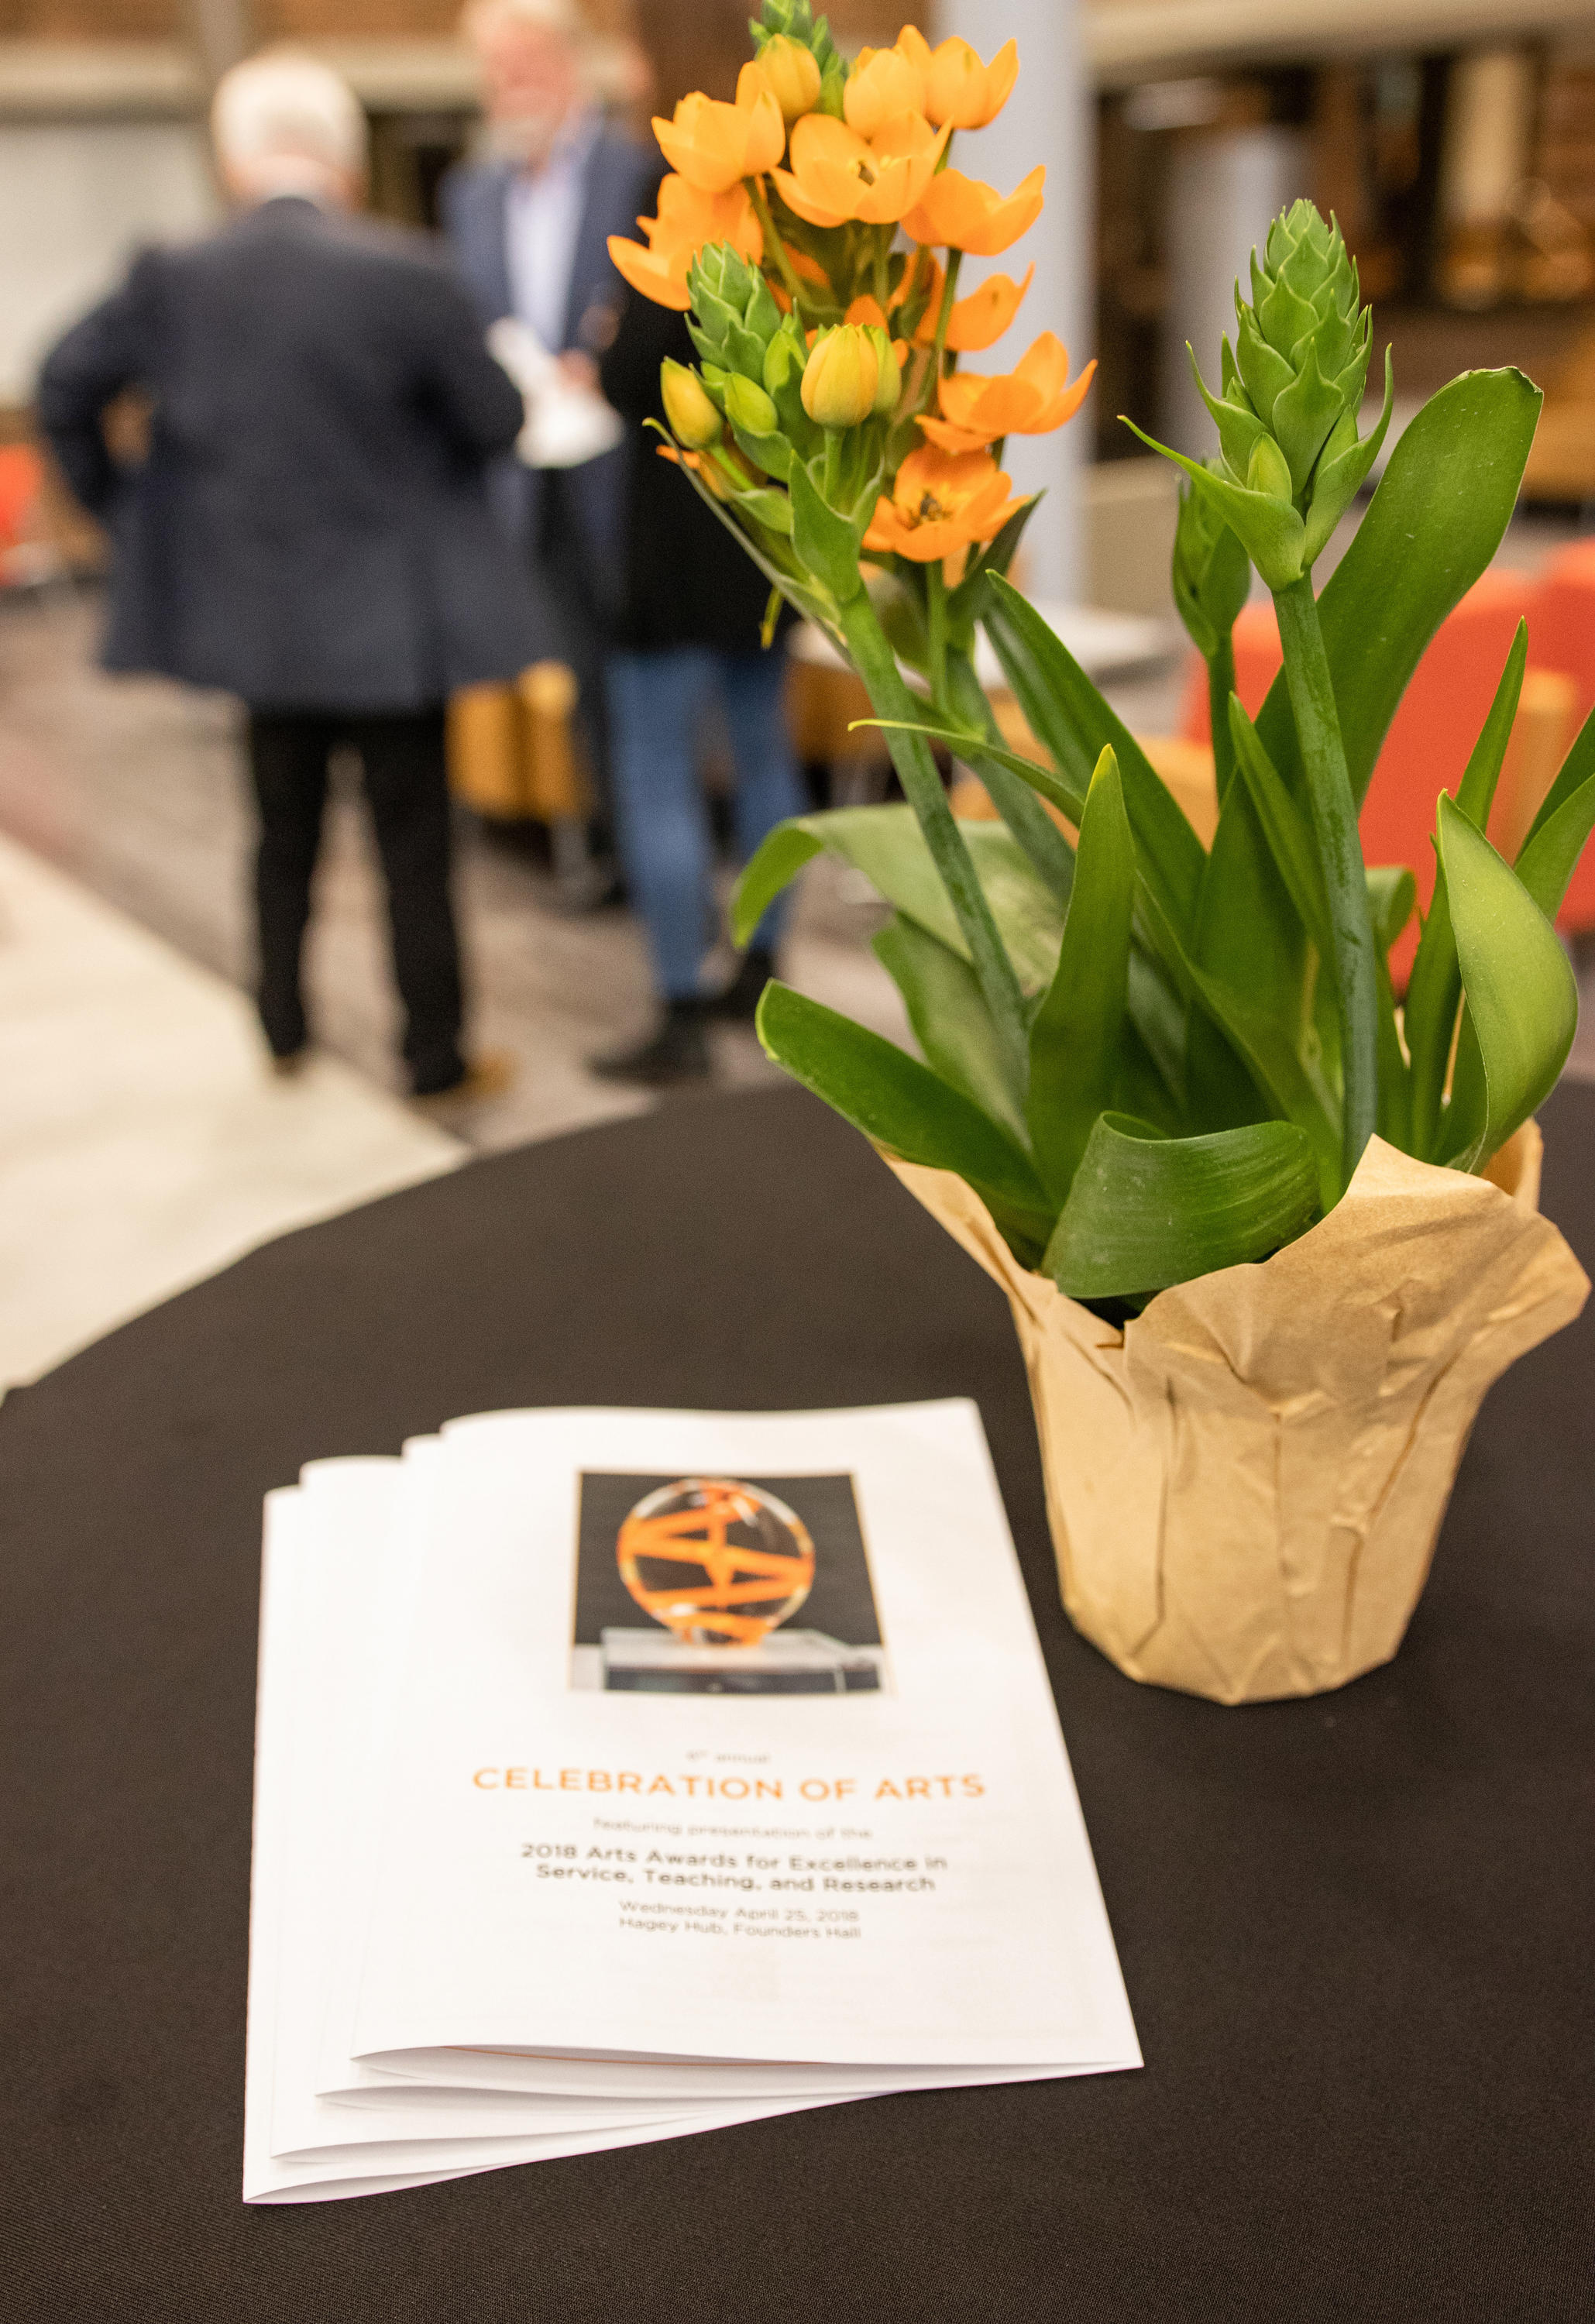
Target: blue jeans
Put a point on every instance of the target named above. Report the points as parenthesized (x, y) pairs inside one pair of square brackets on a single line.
[(656, 705)]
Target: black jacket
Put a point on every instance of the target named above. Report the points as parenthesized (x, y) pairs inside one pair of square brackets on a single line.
[(310, 530), (687, 582)]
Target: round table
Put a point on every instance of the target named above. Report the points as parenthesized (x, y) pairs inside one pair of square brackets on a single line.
[(1355, 1931)]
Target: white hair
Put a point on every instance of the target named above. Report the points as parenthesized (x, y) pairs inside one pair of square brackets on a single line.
[(566, 17), (285, 107)]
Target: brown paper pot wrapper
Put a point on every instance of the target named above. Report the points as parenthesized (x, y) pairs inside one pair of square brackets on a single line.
[(1245, 1483)]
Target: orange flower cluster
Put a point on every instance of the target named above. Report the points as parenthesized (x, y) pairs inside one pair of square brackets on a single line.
[(940, 502), (687, 220), (881, 166)]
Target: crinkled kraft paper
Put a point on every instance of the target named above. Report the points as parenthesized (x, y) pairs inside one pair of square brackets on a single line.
[(1246, 1482)]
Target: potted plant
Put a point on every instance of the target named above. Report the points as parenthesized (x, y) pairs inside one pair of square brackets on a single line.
[(1267, 1233)]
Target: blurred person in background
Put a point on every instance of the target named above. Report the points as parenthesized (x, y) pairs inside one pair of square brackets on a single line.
[(529, 219), (688, 634), (310, 530)]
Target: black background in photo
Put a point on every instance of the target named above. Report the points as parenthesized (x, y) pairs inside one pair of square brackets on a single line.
[(841, 1603)]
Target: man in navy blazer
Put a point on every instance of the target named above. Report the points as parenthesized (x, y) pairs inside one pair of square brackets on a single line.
[(311, 529), (529, 222)]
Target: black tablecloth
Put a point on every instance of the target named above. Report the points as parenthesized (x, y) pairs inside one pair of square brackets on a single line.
[(1355, 1931)]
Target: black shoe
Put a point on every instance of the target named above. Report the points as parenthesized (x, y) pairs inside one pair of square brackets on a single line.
[(677, 1051), (740, 1000)]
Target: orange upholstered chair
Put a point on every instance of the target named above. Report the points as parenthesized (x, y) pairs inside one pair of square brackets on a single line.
[(1433, 732)]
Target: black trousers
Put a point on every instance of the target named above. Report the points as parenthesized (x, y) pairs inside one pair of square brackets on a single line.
[(402, 761)]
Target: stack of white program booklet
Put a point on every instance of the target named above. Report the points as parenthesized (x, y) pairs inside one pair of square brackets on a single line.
[(620, 1774)]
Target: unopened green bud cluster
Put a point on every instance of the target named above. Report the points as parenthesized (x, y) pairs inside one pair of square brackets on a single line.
[(1291, 388)]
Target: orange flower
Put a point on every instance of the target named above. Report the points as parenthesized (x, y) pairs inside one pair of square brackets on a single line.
[(865, 309), (712, 144), (959, 88), (975, 321), (688, 219), (1031, 400), (939, 503), (883, 83), (837, 175), (964, 215)]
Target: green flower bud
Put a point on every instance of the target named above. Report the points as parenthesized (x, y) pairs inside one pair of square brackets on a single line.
[(734, 316), (889, 385), (1211, 575), (1268, 470), (694, 420), (794, 21), (841, 377), (1291, 390), (749, 408), (782, 357)]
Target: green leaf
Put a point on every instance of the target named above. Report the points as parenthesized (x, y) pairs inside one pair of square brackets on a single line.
[(1073, 724), (774, 864), (1076, 1035), (904, 1107), (1394, 1120), (1284, 826), (1343, 470), (951, 1021), (963, 743), (1392, 899), (1576, 770), (1477, 789), (1269, 529), (767, 507), (1029, 912), (1146, 1211), (824, 542), (1264, 1042), (1013, 797), (773, 454), (1430, 531), (1548, 859), (887, 844), (1522, 998), (1434, 988)]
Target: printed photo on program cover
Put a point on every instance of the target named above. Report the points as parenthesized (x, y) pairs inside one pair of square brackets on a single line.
[(723, 1585)]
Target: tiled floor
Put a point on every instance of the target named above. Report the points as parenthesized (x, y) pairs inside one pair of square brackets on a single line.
[(142, 1145), (133, 787)]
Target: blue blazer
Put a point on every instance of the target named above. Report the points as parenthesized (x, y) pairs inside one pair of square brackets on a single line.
[(311, 529), (471, 204)]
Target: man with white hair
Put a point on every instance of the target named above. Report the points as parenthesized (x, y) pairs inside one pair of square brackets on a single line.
[(310, 530), (529, 219)]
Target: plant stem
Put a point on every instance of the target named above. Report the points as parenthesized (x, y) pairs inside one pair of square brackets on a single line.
[(936, 608), (774, 248), (832, 484), (1221, 686), (1339, 853), (876, 664), (882, 280), (944, 317)]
